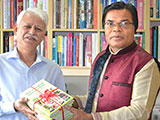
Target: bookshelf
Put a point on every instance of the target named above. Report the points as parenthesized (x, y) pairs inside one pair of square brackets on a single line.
[(76, 70)]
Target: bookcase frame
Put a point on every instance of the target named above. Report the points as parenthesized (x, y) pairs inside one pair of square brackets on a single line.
[(76, 70)]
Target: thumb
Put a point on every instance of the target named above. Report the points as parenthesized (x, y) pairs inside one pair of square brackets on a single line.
[(23, 99)]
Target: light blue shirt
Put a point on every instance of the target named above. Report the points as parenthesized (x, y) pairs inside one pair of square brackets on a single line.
[(15, 77)]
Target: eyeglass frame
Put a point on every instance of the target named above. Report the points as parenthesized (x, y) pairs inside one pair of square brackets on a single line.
[(124, 26)]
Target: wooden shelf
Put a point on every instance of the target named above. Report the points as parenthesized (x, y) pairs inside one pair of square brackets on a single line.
[(75, 71), (155, 19), (74, 30)]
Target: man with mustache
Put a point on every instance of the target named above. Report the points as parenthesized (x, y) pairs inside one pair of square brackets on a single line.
[(23, 67), (124, 79)]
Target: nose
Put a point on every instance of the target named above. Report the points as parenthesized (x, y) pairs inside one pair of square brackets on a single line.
[(117, 28), (32, 30)]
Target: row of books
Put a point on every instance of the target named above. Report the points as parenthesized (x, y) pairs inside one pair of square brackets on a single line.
[(12, 8), (70, 49), (75, 49), (74, 14), (154, 8), (155, 41)]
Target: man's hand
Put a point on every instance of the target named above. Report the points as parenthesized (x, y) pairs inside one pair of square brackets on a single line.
[(79, 114), (21, 106)]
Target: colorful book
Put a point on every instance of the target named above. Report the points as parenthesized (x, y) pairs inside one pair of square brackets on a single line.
[(89, 51), (59, 49), (95, 14), (69, 49), (77, 50), (89, 14), (140, 9), (81, 49), (19, 6), (48, 101), (82, 16), (74, 51)]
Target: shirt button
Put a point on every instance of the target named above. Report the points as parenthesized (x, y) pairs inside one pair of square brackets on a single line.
[(101, 95), (106, 77), (112, 61)]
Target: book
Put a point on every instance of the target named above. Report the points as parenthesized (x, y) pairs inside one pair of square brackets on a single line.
[(19, 6), (89, 51), (140, 9), (82, 16), (89, 14), (69, 48), (95, 14), (77, 50), (48, 101)]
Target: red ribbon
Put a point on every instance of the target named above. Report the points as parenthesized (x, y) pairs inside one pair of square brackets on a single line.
[(46, 97)]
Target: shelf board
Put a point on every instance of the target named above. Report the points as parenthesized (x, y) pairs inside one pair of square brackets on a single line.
[(75, 71), (155, 19), (75, 30), (6, 30)]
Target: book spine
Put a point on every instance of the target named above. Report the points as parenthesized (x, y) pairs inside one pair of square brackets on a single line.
[(69, 49), (140, 9), (82, 17), (89, 51), (69, 14), (95, 14), (74, 51), (89, 14), (12, 13), (77, 50), (80, 49), (5, 14), (19, 6), (45, 5), (59, 50), (65, 51)]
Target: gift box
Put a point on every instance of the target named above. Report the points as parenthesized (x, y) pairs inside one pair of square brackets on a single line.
[(48, 101)]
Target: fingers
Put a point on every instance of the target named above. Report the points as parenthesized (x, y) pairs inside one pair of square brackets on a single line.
[(21, 106), (71, 109)]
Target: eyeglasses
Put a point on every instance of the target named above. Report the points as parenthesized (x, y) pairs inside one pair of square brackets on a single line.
[(124, 24)]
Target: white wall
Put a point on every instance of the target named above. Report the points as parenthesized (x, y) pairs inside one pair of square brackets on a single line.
[(77, 85)]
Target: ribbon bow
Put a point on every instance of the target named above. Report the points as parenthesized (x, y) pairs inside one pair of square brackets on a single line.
[(46, 97)]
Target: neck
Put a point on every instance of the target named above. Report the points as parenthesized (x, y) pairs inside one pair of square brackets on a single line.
[(28, 57)]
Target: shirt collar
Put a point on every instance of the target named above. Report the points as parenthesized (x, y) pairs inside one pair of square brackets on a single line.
[(123, 50), (14, 55)]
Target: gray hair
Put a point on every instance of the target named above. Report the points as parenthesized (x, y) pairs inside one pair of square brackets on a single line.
[(39, 12)]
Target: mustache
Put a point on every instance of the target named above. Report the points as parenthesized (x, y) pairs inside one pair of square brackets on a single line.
[(116, 36), (30, 36)]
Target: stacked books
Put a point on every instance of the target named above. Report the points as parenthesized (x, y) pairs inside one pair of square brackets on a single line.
[(48, 101)]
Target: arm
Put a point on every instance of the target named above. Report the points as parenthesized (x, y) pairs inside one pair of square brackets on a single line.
[(60, 83), (145, 87)]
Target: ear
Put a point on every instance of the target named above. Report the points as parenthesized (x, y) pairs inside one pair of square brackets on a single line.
[(15, 27)]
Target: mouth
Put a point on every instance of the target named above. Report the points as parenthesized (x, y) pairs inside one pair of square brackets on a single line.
[(117, 37), (31, 38)]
